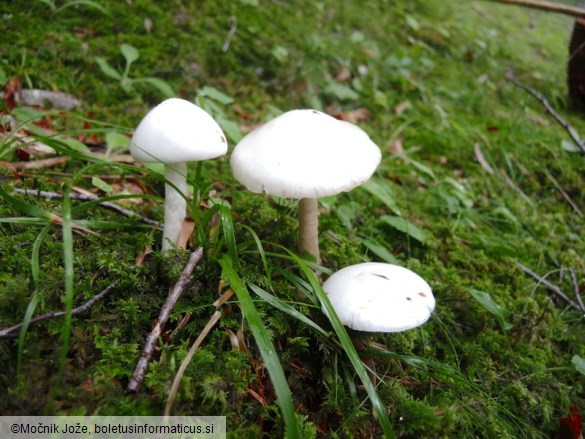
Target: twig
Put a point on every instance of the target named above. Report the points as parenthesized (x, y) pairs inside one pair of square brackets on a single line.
[(8, 332), (551, 287), (87, 197), (572, 133), (546, 6), (564, 194), (35, 164), (59, 100), (576, 289), (141, 366), (481, 159), (230, 35), (177, 380)]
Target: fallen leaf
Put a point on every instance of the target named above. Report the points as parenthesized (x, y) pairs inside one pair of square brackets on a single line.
[(142, 255), (395, 146), (31, 148), (343, 74), (186, 232), (10, 90), (571, 427), (84, 32), (354, 116), (402, 107)]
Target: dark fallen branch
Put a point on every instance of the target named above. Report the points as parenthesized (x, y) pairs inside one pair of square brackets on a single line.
[(546, 6), (159, 324), (87, 197), (11, 330), (572, 133), (551, 287)]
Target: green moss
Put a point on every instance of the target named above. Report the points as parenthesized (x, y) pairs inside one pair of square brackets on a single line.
[(461, 374)]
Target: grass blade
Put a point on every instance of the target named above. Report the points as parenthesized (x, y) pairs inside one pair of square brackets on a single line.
[(265, 346), (30, 309), (405, 226), (68, 263), (260, 248), (229, 235), (285, 307), (348, 346)]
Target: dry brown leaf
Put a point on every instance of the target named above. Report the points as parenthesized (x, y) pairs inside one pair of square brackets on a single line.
[(402, 107), (142, 255), (395, 146), (128, 187), (10, 90), (343, 74), (247, 128), (537, 120), (31, 148), (354, 116), (234, 342), (186, 232)]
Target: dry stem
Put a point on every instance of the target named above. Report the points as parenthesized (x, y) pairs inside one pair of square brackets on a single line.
[(546, 6), (9, 332), (142, 365)]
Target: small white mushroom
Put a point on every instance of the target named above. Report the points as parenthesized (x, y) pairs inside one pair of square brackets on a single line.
[(378, 297), (305, 154), (176, 132)]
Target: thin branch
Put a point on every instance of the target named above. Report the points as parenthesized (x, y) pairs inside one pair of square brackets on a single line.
[(87, 197), (564, 194), (230, 35), (551, 287), (10, 331), (546, 6), (572, 133), (576, 289), (159, 324)]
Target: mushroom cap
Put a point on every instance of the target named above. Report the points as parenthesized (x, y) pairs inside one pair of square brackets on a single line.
[(378, 297), (304, 154), (177, 131)]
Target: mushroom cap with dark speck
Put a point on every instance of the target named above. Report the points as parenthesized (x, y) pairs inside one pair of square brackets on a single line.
[(379, 297)]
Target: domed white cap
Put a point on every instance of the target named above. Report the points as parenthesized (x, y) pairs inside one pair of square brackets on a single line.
[(304, 154), (177, 131), (377, 297)]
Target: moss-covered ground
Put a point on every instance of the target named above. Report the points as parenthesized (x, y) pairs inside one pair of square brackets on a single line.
[(476, 178)]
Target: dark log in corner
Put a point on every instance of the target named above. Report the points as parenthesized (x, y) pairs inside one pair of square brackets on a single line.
[(576, 66)]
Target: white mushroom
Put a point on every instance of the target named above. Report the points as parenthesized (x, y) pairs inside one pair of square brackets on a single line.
[(305, 154), (378, 297), (176, 132)]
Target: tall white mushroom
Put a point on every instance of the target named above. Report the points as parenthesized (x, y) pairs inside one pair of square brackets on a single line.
[(305, 154), (176, 132), (379, 297)]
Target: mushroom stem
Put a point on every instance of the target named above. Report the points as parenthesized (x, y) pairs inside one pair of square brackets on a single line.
[(175, 203), (309, 227)]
